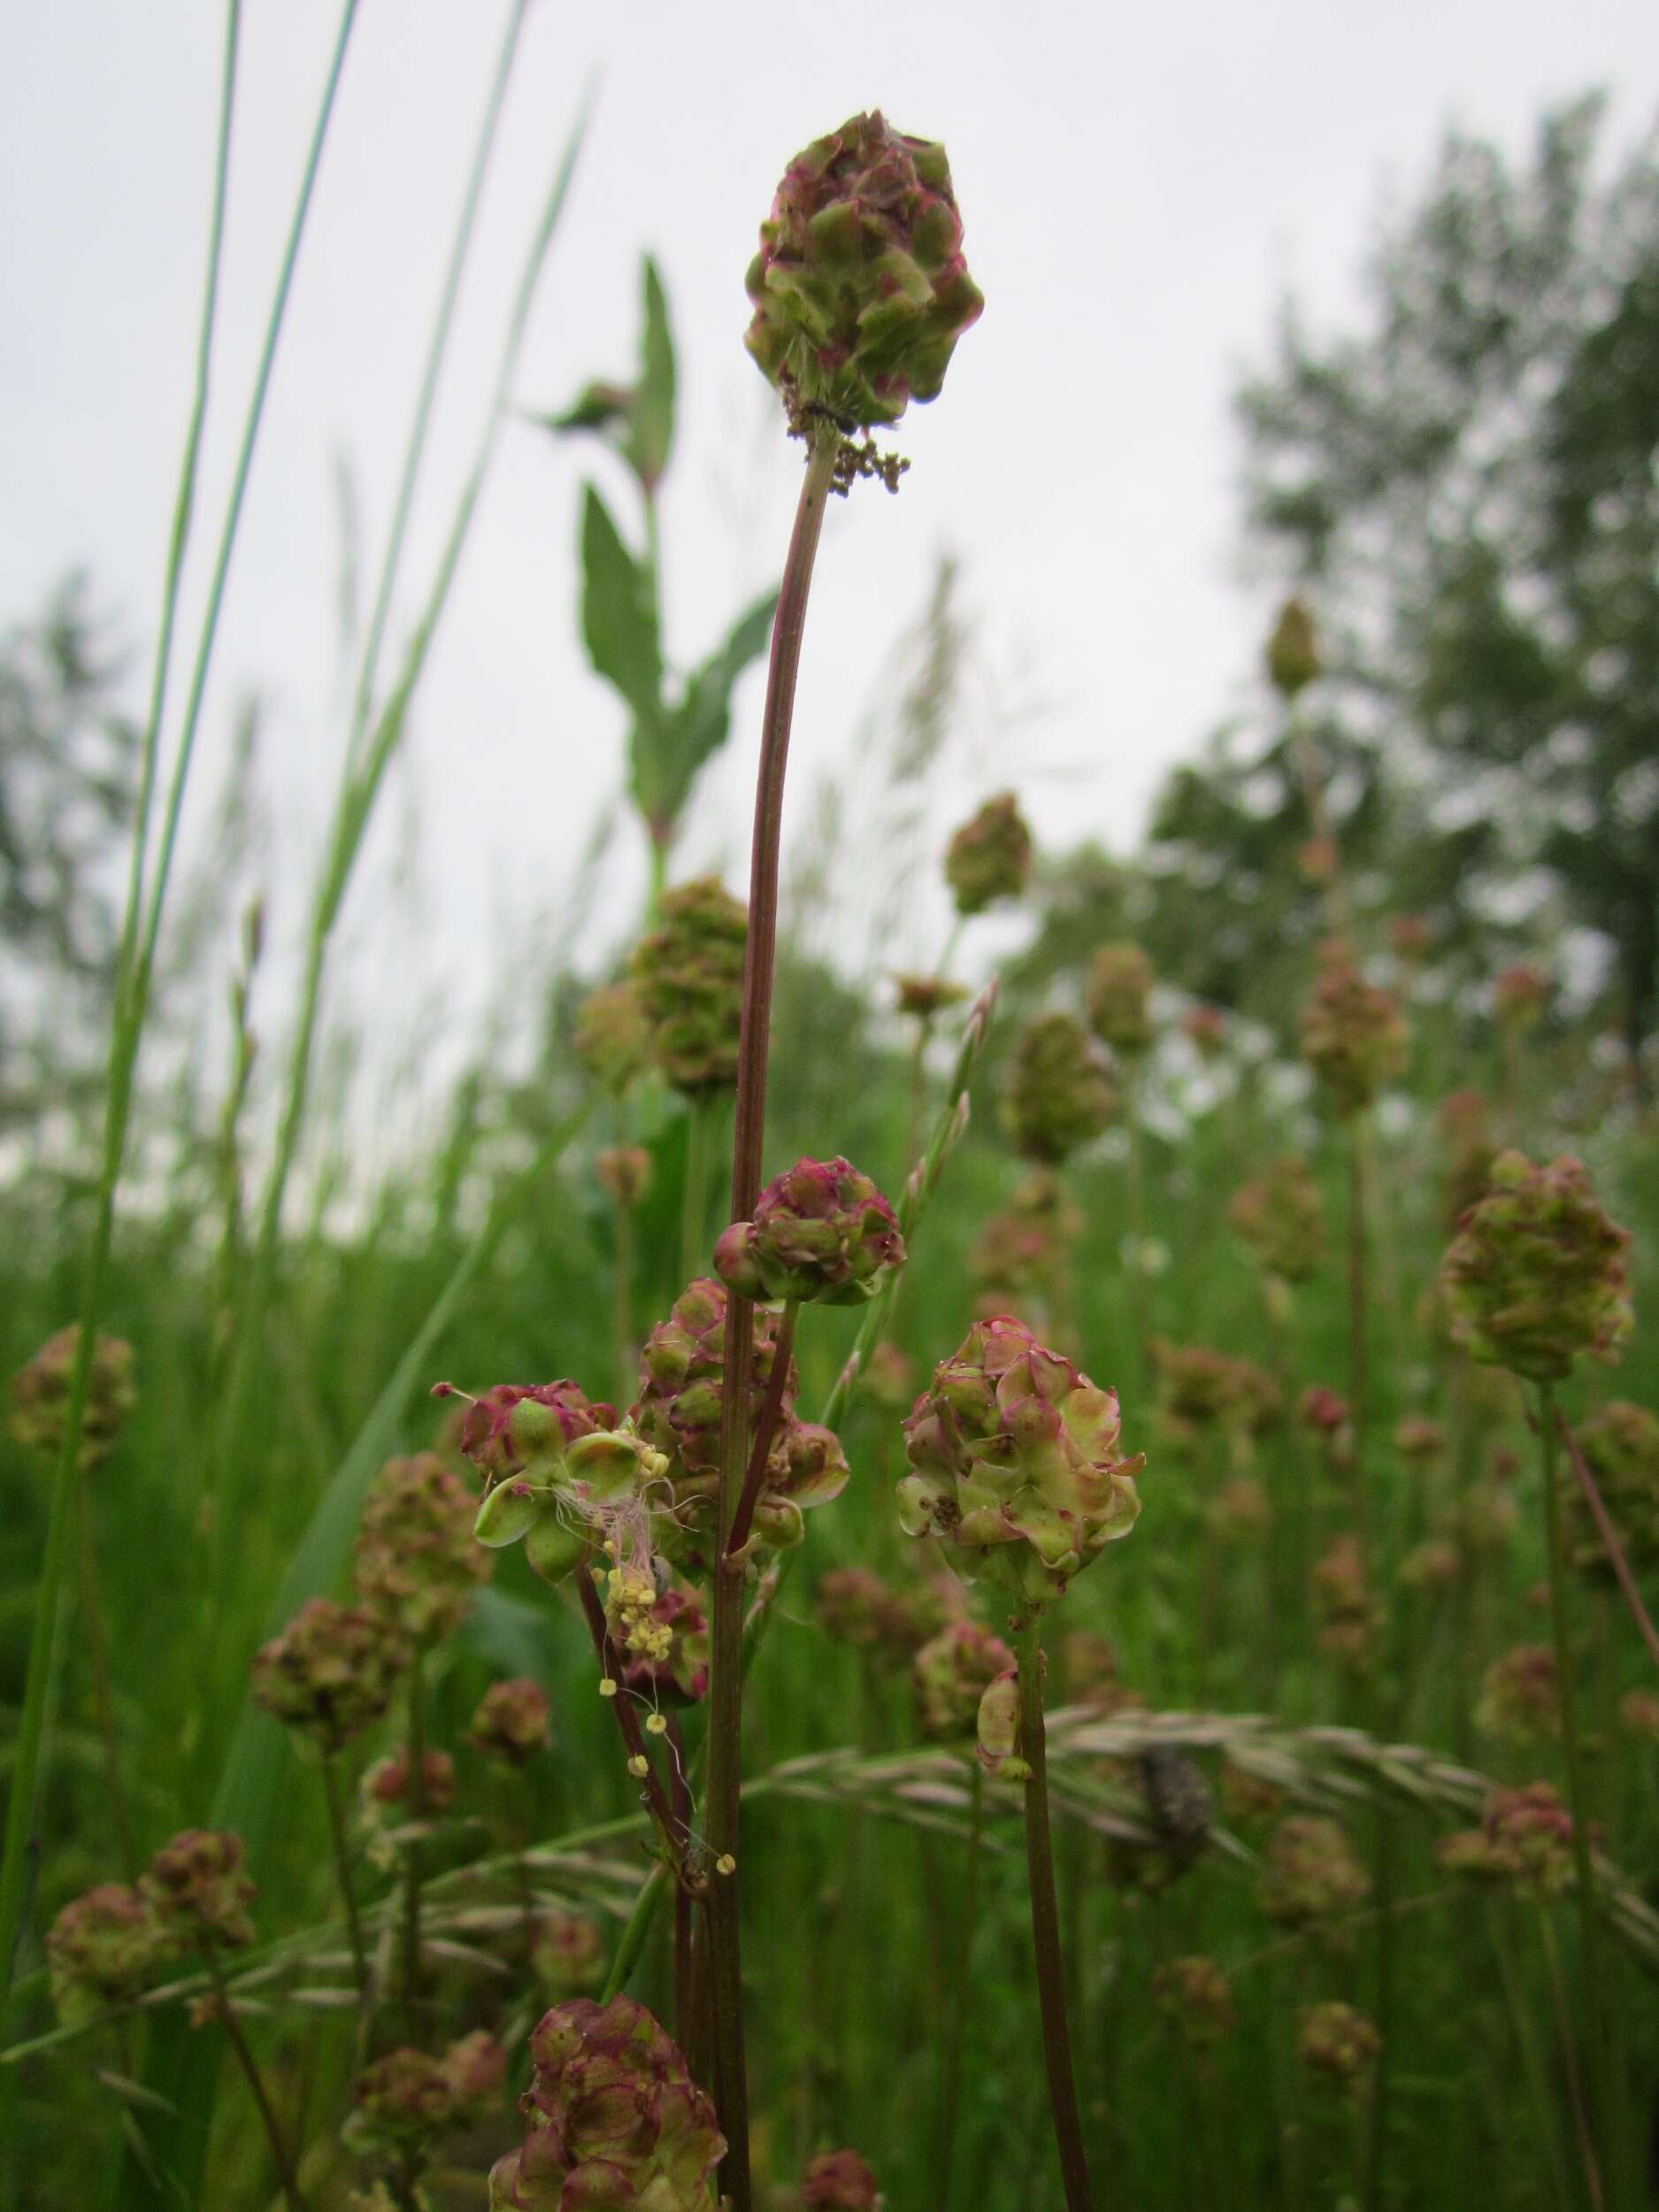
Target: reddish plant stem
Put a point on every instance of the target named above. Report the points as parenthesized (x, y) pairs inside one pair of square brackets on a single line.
[(725, 1684), (627, 1719), (685, 1990), (282, 2157), (1611, 1544), (765, 1429), (1044, 1927)]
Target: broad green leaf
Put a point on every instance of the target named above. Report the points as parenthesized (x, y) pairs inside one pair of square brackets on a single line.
[(652, 424), (664, 772), (618, 611)]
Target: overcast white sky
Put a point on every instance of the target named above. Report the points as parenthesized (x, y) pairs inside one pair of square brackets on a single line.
[(1139, 186)]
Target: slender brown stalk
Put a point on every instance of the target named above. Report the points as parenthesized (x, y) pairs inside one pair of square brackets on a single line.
[(684, 1988), (343, 1876), (1601, 2111), (627, 1718), (287, 2171), (725, 1685), (1611, 1544), (765, 1428), (1045, 1925)]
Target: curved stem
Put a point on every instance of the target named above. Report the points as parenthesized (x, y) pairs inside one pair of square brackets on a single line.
[(225, 2015), (725, 1686), (1577, 1795), (1045, 1925), (343, 1876)]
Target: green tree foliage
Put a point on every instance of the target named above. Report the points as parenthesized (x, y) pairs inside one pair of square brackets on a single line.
[(66, 768), (1466, 483)]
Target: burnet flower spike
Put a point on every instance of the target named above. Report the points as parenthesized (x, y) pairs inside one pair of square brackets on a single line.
[(822, 1232), (989, 858), (1538, 1274)]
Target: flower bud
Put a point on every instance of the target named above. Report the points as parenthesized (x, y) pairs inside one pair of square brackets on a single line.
[(689, 974), (860, 290), (615, 2119), (625, 1172), (1349, 1615), (513, 1722), (821, 1231), (989, 858), (1014, 1464), (613, 1036), (1059, 1096), (997, 1732), (1310, 1872), (1120, 981), (839, 2181), (199, 1892), (329, 1673), (103, 1949), (1538, 1273), (924, 997), (568, 1954), (1335, 2039), (416, 1564), (1354, 1036), (1280, 1217), (40, 1396), (1196, 1999), (951, 1673), (1292, 652), (386, 1796)]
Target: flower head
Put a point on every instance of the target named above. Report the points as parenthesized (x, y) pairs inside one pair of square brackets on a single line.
[(1525, 1837), (1311, 1872), (416, 1565), (1333, 2038), (950, 1674), (615, 2119), (329, 1673), (513, 1722), (1120, 981), (568, 1954), (860, 289), (1520, 1696), (822, 1230), (689, 976), (1538, 1273), (1195, 1997), (1281, 1216), (989, 858), (102, 1949), (613, 1034), (408, 2098), (198, 1889), (1293, 651), (839, 2181), (1354, 1036), (1014, 1466), (40, 1395), (1058, 1094)]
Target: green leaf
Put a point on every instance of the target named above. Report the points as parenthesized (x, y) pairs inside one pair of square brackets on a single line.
[(651, 422), (665, 771), (619, 612)]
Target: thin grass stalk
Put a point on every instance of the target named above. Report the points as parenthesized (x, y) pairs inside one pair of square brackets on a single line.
[(1583, 2120), (283, 2158), (437, 346), (97, 1642), (1617, 1558), (722, 1818), (413, 1871), (951, 2095), (343, 1876), (130, 1006), (1045, 1925), (359, 789), (1577, 1792)]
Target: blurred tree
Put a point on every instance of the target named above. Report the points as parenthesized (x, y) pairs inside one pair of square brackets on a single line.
[(1466, 486), (67, 763)]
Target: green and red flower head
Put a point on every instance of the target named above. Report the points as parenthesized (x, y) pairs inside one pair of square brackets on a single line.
[(1310, 1872), (199, 1891), (408, 2098), (1195, 1997), (1354, 1035), (689, 976), (1120, 980), (1538, 1274), (682, 1373), (416, 1565), (329, 1673), (568, 1954), (103, 1949), (1520, 1696), (1281, 1216), (614, 1035), (1058, 1094), (40, 1395), (515, 1425), (860, 289), (1015, 1465), (1293, 650), (839, 2181), (990, 856), (1205, 1028), (810, 1469), (615, 2119), (849, 1602), (672, 1667), (821, 1231), (1525, 1837), (1620, 1443), (1333, 2038), (387, 1791), (950, 1674), (513, 1722)]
